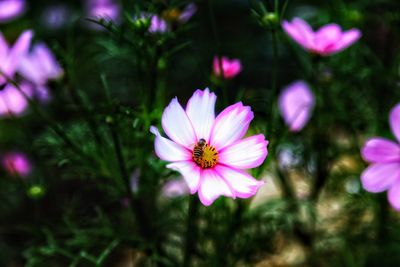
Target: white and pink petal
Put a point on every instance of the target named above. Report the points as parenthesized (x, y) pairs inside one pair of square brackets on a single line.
[(201, 112), (245, 154), (380, 150), (17, 52), (326, 38), (177, 125), (394, 121), (348, 38), (379, 177), (230, 125), (296, 103), (168, 150), (300, 31), (394, 195), (242, 184), (191, 173), (212, 186)]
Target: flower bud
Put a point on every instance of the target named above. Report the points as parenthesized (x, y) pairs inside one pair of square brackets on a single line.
[(36, 191), (270, 19)]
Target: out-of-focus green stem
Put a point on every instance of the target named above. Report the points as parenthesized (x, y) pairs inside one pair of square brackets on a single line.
[(284, 6), (321, 142), (137, 208), (221, 75), (285, 185), (74, 88), (234, 227), (274, 62), (191, 231)]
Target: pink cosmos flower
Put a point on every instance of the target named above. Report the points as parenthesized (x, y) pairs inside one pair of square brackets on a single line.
[(40, 65), (11, 9), (158, 25), (17, 164), (328, 40), (12, 101), (384, 155), (105, 9), (209, 152), (10, 57), (296, 103), (230, 68)]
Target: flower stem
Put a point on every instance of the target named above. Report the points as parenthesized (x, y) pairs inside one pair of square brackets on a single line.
[(229, 234), (191, 230), (136, 207), (274, 62), (218, 52)]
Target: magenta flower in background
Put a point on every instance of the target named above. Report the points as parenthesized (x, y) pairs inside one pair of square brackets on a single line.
[(16, 164), (12, 101), (105, 9), (209, 152), (11, 9), (175, 188), (158, 25), (187, 13), (384, 155), (10, 57), (230, 67), (296, 103), (327, 40), (40, 66)]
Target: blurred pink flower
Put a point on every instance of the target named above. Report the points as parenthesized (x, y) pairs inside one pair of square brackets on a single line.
[(158, 25), (17, 164), (230, 67), (12, 101), (11, 9), (187, 12), (40, 65), (384, 155), (328, 40), (10, 57), (175, 188), (296, 103), (105, 9), (209, 152)]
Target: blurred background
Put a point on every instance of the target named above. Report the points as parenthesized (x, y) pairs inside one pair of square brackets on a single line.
[(80, 184)]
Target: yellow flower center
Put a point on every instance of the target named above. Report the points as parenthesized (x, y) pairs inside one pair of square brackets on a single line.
[(204, 155)]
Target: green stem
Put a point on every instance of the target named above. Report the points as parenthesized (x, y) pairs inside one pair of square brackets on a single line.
[(221, 75), (274, 62), (136, 206), (191, 231), (233, 229), (284, 6), (285, 186)]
